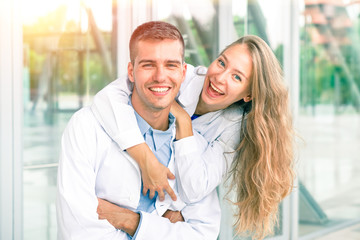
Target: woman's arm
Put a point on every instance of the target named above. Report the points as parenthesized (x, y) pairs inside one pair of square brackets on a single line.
[(153, 173), (183, 121), (112, 111), (200, 173)]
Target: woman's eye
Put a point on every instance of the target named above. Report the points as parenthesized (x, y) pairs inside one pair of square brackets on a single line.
[(221, 63), (237, 77)]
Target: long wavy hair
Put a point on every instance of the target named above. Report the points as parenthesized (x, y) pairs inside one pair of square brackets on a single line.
[(262, 171)]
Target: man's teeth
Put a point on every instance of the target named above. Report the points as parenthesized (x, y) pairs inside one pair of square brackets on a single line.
[(159, 89), (216, 89)]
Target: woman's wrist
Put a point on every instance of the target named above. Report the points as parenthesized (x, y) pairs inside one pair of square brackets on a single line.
[(183, 127), (139, 153)]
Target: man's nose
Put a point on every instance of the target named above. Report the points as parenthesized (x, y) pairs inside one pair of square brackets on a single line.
[(159, 74)]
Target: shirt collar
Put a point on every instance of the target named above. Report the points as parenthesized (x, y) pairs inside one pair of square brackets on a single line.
[(162, 137), (159, 137)]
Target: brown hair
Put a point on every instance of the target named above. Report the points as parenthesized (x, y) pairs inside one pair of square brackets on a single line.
[(154, 30), (262, 171)]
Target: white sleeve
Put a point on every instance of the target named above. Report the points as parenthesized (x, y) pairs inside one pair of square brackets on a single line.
[(76, 199), (111, 109), (202, 222), (199, 173), (190, 89)]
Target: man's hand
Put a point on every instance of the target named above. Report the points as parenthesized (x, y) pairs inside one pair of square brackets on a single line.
[(173, 216), (154, 174), (120, 218)]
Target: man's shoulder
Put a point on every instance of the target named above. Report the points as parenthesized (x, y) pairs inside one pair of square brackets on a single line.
[(83, 125), (83, 119), (83, 113)]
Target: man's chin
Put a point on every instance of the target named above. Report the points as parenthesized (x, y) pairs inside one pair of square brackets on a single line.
[(159, 108)]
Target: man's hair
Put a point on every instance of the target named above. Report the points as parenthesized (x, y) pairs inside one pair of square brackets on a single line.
[(154, 30)]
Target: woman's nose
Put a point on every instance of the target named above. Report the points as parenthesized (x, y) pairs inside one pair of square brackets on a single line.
[(221, 77)]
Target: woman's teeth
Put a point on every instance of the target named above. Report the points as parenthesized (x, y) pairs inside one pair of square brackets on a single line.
[(216, 89)]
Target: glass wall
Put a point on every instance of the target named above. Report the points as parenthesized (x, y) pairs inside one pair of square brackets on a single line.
[(69, 55), (329, 117), (71, 49)]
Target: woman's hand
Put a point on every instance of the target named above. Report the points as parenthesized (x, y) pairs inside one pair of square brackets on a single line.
[(154, 175), (183, 121)]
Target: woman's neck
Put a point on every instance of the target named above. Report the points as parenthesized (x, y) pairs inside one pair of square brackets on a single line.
[(201, 108)]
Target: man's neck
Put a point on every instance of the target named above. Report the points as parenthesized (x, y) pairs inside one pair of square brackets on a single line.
[(157, 119)]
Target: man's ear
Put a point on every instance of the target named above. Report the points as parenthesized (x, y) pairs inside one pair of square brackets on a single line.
[(184, 72), (130, 72), (247, 98)]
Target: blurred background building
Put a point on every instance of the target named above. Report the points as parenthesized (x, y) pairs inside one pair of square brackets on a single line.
[(55, 55)]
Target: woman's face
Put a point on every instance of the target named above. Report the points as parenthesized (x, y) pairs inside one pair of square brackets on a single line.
[(227, 79)]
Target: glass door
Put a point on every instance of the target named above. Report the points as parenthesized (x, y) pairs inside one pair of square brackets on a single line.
[(69, 54)]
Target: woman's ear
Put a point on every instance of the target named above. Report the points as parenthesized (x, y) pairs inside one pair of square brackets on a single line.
[(247, 98)]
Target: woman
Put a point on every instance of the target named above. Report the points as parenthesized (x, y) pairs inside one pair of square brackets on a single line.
[(243, 115)]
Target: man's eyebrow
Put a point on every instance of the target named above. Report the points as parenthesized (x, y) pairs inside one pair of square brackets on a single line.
[(174, 61), (146, 61), (236, 70)]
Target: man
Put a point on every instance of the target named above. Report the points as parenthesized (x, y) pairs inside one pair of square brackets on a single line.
[(92, 167)]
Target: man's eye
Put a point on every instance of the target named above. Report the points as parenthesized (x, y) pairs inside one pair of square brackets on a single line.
[(221, 62)]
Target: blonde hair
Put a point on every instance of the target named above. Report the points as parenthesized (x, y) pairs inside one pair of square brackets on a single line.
[(262, 171)]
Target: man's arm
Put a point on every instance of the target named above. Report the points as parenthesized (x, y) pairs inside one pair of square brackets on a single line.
[(202, 221), (120, 218), (76, 198), (127, 220)]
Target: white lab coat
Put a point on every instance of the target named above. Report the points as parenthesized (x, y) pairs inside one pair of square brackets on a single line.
[(92, 165), (198, 174)]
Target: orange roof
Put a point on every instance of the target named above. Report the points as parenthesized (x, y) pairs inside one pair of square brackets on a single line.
[(332, 2)]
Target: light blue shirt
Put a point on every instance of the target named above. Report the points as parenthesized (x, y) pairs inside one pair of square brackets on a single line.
[(160, 144)]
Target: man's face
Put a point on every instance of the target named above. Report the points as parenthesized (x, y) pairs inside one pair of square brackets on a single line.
[(157, 73)]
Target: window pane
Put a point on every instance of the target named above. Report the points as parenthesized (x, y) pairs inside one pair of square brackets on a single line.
[(329, 118), (69, 51)]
